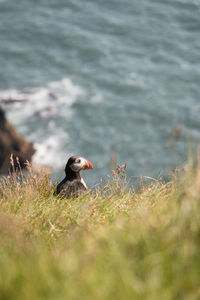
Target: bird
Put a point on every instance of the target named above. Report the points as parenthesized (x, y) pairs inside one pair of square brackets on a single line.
[(73, 185)]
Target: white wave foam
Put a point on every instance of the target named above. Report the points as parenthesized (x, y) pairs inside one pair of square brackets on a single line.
[(48, 151), (48, 103), (60, 92), (11, 95), (97, 98)]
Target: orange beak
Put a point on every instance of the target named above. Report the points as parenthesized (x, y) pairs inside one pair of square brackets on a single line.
[(87, 166)]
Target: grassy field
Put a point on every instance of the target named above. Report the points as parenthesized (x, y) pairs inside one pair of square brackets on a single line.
[(108, 244)]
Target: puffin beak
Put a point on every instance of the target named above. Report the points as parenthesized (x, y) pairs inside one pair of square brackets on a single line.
[(87, 165)]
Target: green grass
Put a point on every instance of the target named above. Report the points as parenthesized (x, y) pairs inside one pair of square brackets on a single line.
[(108, 244)]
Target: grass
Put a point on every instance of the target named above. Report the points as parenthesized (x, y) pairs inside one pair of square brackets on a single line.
[(108, 244)]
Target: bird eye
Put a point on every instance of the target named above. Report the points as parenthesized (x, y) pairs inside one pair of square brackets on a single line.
[(78, 161)]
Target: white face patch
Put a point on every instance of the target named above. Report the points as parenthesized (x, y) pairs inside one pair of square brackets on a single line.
[(77, 166)]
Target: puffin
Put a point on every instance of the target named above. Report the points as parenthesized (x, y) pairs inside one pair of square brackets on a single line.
[(73, 185)]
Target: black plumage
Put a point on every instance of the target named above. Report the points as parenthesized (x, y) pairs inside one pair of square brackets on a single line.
[(73, 185)]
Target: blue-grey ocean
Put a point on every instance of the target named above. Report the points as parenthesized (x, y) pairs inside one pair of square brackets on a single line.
[(102, 79)]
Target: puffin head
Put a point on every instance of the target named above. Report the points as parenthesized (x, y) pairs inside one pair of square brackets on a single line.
[(77, 164)]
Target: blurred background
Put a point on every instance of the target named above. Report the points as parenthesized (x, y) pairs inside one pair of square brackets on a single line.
[(111, 81)]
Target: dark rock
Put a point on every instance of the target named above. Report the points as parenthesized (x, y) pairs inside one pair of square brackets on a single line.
[(10, 100), (12, 143), (46, 112), (52, 96)]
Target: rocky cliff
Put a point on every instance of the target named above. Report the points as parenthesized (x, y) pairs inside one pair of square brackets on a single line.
[(12, 143)]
